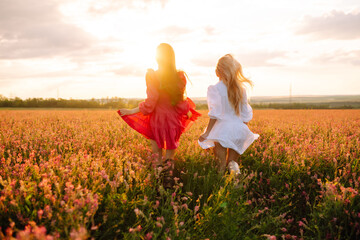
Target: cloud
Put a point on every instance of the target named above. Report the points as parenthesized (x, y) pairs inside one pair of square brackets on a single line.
[(209, 30), (249, 59), (340, 57), (260, 58), (36, 29), (209, 61), (173, 30), (334, 25), (6, 82), (107, 6), (172, 33), (97, 53), (130, 70)]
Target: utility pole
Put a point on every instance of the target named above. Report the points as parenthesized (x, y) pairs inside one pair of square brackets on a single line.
[(290, 94)]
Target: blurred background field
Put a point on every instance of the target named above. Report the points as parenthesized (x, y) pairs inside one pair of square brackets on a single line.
[(70, 174)]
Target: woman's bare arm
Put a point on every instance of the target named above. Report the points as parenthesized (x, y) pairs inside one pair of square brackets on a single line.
[(125, 111), (211, 124)]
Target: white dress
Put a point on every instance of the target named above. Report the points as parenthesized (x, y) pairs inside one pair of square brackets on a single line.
[(229, 130)]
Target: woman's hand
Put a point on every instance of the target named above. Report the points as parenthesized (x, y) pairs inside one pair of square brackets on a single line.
[(125, 111), (189, 114), (203, 137), (208, 130)]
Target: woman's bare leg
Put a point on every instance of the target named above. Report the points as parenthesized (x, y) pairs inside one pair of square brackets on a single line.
[(220, 154), (170, 153), (156, 150), (232, 156)]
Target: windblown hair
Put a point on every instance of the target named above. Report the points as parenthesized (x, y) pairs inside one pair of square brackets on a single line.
[(169, 77), (229, 70)]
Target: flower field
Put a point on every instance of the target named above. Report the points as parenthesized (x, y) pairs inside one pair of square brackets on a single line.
[(85, 174)]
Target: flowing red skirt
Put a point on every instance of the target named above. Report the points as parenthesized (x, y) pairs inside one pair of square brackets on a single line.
[(164, 125)]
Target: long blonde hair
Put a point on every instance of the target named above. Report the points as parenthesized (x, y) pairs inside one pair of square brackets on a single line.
[(229, 70), (169, 76)]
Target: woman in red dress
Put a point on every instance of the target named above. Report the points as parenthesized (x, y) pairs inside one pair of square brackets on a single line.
[(166, 112)]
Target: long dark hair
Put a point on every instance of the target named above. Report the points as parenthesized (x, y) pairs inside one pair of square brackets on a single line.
[(170, 80)]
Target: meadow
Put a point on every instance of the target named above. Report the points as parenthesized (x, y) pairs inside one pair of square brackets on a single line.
[(87, 175)]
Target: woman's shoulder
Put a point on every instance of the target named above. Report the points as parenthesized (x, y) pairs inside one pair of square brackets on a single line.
[(183, 79), (150, 72), (244, 93), (182, 75), (181, 72), (213, 91), (151, 78), (218, 87), (220, 84)]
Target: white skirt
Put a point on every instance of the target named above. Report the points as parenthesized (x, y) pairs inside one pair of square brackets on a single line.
[(230, 134)]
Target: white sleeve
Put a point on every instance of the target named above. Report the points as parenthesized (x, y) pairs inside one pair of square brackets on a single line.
[(214, 103), (246, 110)]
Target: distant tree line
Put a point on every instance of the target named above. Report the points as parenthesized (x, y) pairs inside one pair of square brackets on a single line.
[(337, 105), (330, 105), (111, 103), (116, 103)]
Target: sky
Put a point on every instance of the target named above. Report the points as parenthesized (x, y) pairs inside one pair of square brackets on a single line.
[(85, 49)]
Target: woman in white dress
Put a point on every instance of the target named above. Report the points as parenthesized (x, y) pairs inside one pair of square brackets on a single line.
[(229, 114)]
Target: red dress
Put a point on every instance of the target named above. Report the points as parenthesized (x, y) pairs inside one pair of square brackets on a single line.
[(158, 119)]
